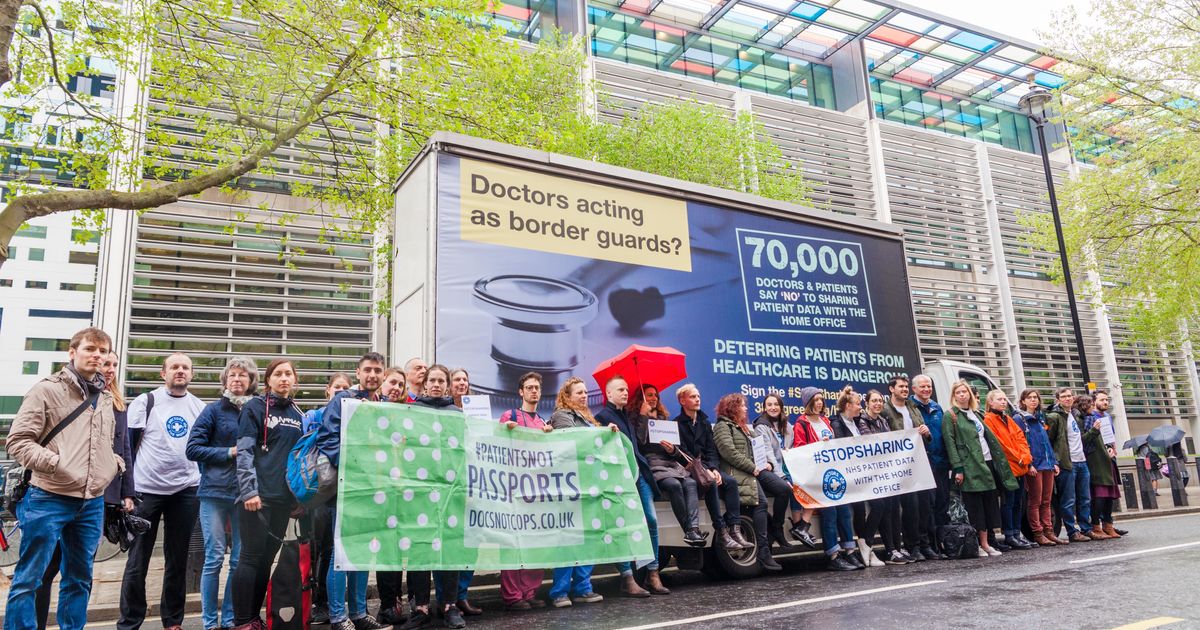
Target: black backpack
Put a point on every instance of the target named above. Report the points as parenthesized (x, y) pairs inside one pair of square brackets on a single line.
[(958, 540)]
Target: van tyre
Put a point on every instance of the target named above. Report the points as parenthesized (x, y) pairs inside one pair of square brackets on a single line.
[(738, 564)]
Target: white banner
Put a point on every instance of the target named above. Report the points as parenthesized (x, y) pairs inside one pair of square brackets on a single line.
[(849, 470)]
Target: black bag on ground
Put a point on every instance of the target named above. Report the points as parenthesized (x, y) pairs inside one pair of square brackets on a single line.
[(289, 593), (958, 540)]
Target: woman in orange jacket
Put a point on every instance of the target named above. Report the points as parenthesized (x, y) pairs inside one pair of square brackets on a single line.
[(1016, 449)]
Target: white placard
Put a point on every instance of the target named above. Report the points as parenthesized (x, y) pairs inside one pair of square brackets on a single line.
[(478, 407), (663, 430), (1106, 429), (761, 448)]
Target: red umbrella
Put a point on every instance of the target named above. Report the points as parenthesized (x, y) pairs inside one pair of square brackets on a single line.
[(659, 367)]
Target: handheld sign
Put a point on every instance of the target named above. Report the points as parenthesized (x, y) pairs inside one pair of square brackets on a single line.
[(846, 470), (664, 430), (761, 448), (478, 407)]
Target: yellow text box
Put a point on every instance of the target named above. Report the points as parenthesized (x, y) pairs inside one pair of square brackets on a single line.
[(516, 208)]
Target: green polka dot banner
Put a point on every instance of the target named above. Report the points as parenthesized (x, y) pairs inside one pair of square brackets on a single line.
[(432, 489)]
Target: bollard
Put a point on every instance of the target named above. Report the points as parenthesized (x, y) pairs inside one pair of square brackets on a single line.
[(1175, 468), (1145, 490), (1129, 489), (195, 561)]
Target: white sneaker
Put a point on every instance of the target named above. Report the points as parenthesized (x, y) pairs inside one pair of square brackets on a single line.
[(993, 552), (864, 552), (982, 553)]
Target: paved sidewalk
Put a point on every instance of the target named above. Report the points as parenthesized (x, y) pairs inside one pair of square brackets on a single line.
[(106, 588)]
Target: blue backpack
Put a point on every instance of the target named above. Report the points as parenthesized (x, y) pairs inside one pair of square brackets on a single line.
[(310, 475)]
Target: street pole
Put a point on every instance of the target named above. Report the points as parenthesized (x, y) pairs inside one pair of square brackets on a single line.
[(1040, 121)]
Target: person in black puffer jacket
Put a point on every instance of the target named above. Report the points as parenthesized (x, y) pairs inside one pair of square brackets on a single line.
[(269, 427)]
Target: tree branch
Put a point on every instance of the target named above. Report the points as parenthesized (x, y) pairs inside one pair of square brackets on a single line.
[(26, 207)]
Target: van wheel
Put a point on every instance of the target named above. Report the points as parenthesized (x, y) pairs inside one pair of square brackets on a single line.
[(738, 564)]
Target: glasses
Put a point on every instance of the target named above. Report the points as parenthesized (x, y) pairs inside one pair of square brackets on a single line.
[(532, 387)]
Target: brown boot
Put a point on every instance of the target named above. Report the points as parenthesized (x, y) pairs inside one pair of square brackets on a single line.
[(630, 588), (1042, 540), (1111, 531), (1079, 537), (1096, 534), (654, 583)]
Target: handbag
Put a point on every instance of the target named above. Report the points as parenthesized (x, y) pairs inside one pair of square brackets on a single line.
[(290, 589), (696, 469), (957, 510), (17, 477)]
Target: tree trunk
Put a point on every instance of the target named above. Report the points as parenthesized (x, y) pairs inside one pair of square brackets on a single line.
[(10, 11)]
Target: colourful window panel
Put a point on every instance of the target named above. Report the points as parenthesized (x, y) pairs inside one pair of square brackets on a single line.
[(894, 36), (975, 42), (808, 11), (862, 8)]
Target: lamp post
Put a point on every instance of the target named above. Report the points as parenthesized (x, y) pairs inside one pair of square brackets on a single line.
[(1034, 106)]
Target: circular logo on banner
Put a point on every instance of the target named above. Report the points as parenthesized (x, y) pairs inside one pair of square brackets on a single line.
[(833, 484), (176, 426)]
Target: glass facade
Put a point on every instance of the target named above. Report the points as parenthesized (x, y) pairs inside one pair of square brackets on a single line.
[(524, 19), (640, 41), (902, 103)]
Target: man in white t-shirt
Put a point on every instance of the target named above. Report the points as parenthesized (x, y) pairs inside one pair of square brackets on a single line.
[(159, 425)]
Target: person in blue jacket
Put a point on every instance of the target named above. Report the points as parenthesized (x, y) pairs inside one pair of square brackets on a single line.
[(1042, 470), (931, 411), (346, 591), (213, 444)]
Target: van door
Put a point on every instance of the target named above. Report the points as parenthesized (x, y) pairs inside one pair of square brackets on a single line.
[(978, 382)]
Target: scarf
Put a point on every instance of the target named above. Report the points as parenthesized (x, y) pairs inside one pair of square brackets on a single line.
[(237, 401), (88, 387)]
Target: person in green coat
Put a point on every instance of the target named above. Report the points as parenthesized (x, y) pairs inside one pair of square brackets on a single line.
[(732, 435), (978, 462)]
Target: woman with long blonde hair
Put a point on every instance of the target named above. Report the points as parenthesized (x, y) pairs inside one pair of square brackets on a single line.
[(571, 411)]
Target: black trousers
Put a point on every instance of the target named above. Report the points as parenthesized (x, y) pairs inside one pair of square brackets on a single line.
[(724, 494), (760, 523), (940, 513), (389, 584), (773, 485), (1102, 510), (983, 509), (682, 495), (883, 517), (915, 508), (421, 582), (321, 535), (262, 533), (178, 514)]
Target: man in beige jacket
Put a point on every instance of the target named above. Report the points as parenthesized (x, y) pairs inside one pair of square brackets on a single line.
[(65, 501)]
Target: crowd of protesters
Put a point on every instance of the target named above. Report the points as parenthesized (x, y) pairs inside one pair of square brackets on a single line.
[(1020, 471)]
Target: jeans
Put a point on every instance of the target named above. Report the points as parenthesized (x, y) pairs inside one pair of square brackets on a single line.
[(262, 534), (726, 493), (575, 581), (46, 519), (213, 515), (1083, 496), (647, 495), (1075, 497), (837, 521), (347, 593), (1011, 509), (177, 515), (684, 500)]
